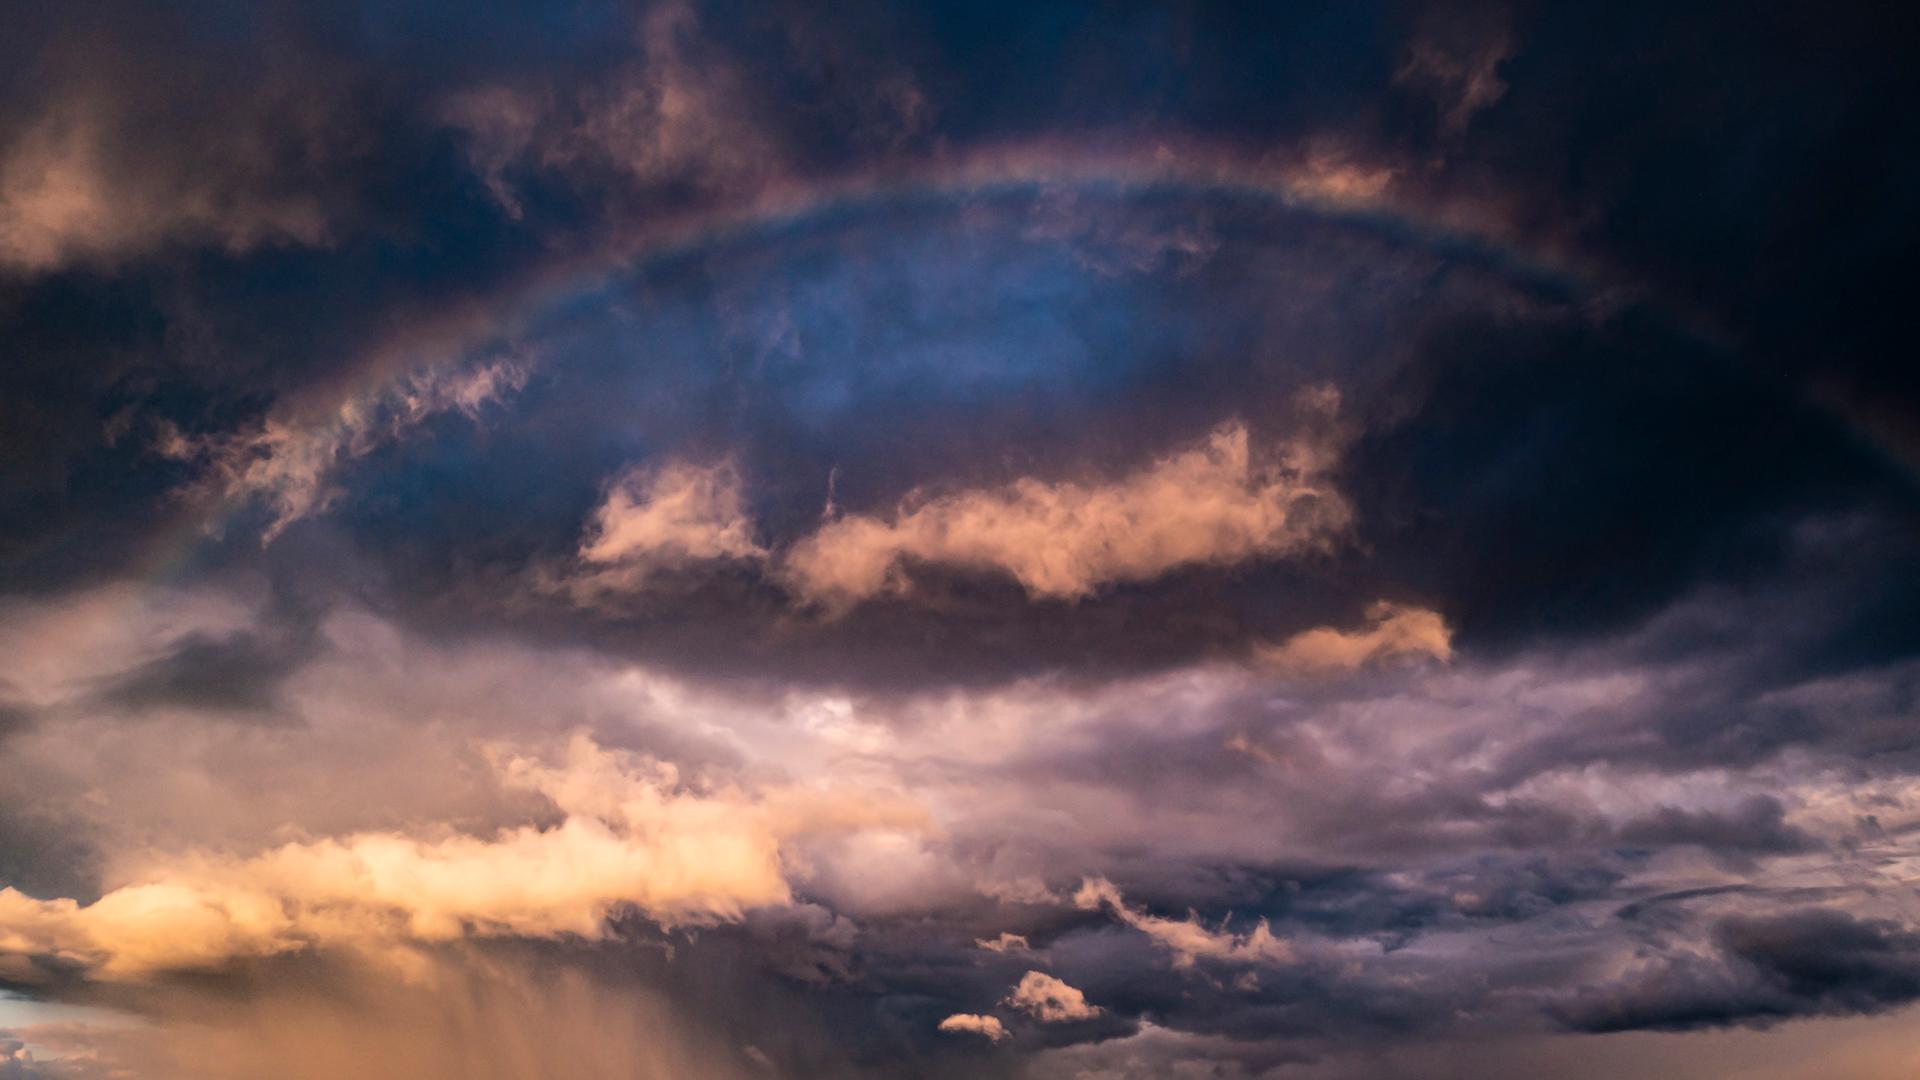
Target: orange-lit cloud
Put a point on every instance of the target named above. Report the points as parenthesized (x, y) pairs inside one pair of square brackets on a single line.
[(1211, 504), (632, 835), (1049, 1000), (1392, 630), (660, 517), (1005, 943), (1187, 939), (974, 1023)]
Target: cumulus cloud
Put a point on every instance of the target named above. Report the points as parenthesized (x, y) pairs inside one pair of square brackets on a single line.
[(1188, 940), (1392, 631), (656, 518), (633, 835), (974, 1023), (1049, 1000), (1211, 504)]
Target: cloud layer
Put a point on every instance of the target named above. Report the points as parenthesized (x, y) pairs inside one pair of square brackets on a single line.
[(627, 839), (957, 541)]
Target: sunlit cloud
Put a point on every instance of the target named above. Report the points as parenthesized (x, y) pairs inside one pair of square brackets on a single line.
[(1187, 939), (988, 1027), (635, 543), (1049, 1000), (1212, 504), (631, 837), (1392, 631), (657, 519)]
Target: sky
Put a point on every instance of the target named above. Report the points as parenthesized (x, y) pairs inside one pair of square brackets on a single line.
[(1042, 541)]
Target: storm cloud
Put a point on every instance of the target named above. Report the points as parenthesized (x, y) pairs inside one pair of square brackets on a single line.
[(679, 539)]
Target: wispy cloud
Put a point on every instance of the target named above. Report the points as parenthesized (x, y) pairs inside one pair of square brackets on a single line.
[(288, 460), (1187, 939)]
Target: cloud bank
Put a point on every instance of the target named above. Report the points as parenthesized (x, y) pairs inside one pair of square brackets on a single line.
[(956, 541)]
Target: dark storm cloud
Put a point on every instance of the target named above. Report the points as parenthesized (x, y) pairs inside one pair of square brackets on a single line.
[(1756, 825), (44, 854), (1560, 477), (1814, 962), (214, 674), (458, 390), (772, 351), (544, 146)]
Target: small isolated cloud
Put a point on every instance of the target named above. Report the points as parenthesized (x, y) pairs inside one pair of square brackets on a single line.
[(1210, 504), (632, 836), (1189, 940), (669, 515), (1005, 943), (1049, 1000), (974, 1023), (1392, 630)]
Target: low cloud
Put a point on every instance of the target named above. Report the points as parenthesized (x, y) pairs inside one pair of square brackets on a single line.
[(1005, 943), (1210, 504), (1761, 970), (450, 1014), (1189, 940), (974, 1023), (1049, 1000), (658, 518), (633, 835), (1392, 631)]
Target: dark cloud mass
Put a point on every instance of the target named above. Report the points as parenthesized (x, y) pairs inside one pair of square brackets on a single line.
[(665, 540)]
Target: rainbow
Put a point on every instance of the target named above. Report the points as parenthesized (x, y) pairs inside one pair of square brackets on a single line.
[(1375, 198)]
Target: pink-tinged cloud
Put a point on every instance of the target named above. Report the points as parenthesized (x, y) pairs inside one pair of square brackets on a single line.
[(1050, 1000), (632, 836), (1392, 631), (288, 461), (989, 1027), (1188, 940), (64, 199), (655, 518), (1005, 943), (1210, 504)]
